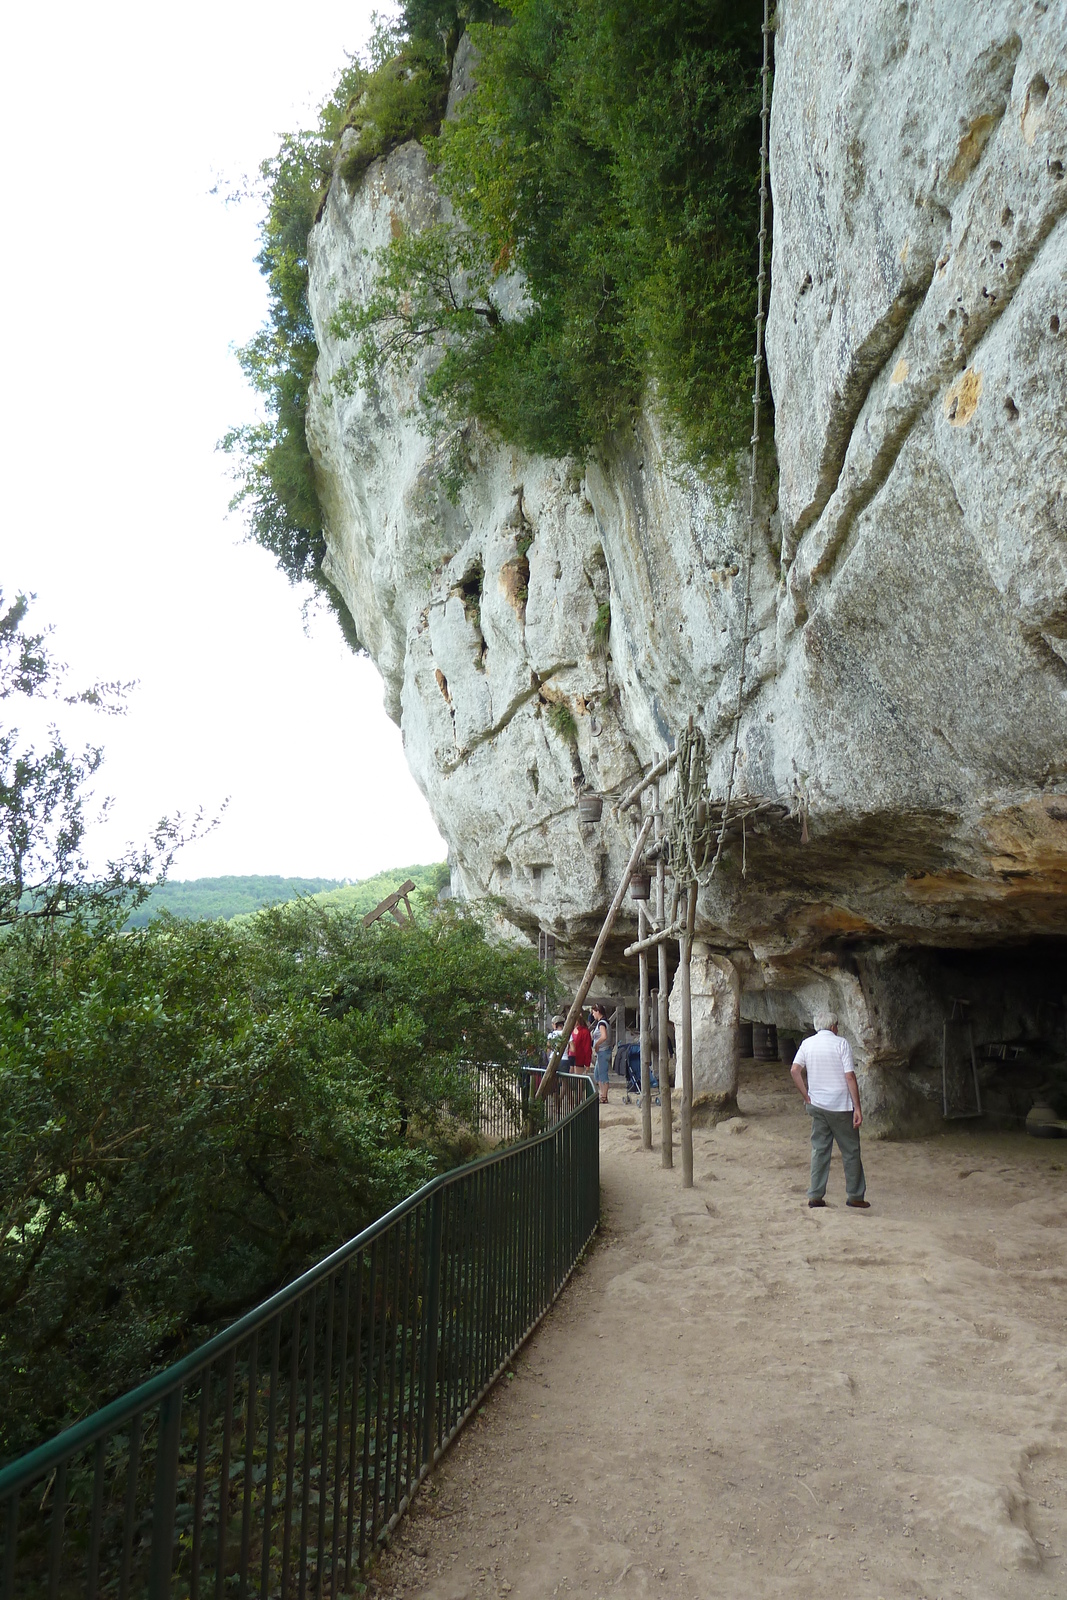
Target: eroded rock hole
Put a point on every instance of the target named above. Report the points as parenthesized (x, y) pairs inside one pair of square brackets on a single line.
[(1053, 324), (470, 588), (1011, 410)]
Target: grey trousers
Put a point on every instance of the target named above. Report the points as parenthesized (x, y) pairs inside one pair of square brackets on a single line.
[(826, 1126)]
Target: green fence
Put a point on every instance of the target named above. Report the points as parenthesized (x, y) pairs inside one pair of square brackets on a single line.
[(274, 1460)]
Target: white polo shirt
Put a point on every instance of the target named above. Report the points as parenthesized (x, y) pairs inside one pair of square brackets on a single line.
[(827, 1059)]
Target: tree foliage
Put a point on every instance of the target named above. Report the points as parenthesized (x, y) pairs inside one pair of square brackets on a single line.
[(397, 92), (276, 491), (46, 793), (192, 1113), (610, 155)]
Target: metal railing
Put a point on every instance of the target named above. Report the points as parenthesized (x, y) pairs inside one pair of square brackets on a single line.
[(276, 1458), (504, 1112)]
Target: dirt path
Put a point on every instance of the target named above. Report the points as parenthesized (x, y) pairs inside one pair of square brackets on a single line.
[(737, 1396)]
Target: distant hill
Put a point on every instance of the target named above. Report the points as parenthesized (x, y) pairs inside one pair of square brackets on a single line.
[(366, 893), (210, 898)]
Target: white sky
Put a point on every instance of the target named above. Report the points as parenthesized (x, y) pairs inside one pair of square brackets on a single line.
[(125, 284)]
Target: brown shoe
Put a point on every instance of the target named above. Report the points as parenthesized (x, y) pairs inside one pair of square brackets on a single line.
[(860, 1205), (814, 1203)]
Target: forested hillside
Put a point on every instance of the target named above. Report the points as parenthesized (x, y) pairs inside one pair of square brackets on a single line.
[(206, 899)]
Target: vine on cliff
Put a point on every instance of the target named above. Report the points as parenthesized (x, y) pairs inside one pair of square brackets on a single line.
[(609, 153), (397, 92)]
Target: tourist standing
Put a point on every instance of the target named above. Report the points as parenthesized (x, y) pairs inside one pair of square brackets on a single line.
[(602, 1047), (581, 1047), (825, 1074)]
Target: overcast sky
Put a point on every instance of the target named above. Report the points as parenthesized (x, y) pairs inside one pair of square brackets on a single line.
[(126, 283)]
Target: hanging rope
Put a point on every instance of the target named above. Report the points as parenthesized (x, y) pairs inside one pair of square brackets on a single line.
[(754, 462), (689, 839)]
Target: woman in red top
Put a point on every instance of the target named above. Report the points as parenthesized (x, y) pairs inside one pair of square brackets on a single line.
[(581, 1047)]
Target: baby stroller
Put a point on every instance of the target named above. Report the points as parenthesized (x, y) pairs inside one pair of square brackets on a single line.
[(633, 1072)]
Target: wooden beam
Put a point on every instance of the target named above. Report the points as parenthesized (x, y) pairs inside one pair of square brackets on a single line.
[(685, 995), (389, 904), (666, 1131), (639, 788), (653, 939), (594, 962), (646, 1037)]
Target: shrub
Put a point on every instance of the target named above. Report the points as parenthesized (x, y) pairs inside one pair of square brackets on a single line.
[(399, 93), (610, 154), (192, 1113), (404, 99), (561, 721), (602, 627)]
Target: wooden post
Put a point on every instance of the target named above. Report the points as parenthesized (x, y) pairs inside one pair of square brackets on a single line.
[(666, 1133), (646, 1038), (685, 995), (619, 1025), (594, 961)]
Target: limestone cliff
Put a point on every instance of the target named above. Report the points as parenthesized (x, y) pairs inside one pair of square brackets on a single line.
[(906, 695)]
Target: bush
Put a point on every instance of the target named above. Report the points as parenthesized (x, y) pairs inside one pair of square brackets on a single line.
[(602, 627), (610, 153), (190, 1114), (561, 721), (404, 99), (399, 93)]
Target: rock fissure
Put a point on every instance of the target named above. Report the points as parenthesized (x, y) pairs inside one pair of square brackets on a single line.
[(875, 441), (512, 711)]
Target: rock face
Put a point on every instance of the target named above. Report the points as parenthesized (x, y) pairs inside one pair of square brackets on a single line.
[(905, 698)]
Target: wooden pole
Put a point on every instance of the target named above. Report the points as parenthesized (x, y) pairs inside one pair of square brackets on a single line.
[(651, 940), (685, 995), (666, 1133), (639, 788), (594, 962), (646, 1039)]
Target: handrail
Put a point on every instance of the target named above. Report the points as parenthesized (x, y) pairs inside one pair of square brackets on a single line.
[(449, 1294), (29, 1467)]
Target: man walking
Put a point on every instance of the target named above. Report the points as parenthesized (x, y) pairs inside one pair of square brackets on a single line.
[(825, 1074)]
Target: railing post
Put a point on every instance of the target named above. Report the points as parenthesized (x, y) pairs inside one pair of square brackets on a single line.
[(11, 1539), (433, 1322), (165, 1497)]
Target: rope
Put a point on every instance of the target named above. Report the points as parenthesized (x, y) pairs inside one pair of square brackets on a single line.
[(689, 838), (756, 400)]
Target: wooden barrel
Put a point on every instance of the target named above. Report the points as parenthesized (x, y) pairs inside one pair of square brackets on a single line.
[(788, 1044), (765, 1041), (744, 1039)]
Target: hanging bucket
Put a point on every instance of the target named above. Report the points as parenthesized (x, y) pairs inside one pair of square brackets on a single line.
[(589, 807), (765, 1041), (640, 884)]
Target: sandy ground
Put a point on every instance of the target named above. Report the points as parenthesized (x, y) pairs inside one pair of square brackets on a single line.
[(737, 1396)]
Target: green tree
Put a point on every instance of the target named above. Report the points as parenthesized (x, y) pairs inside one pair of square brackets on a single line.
[(192, 1113), (44, 794), (276, 492)]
